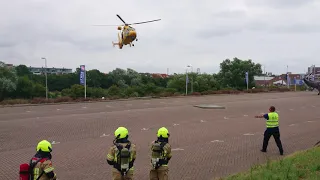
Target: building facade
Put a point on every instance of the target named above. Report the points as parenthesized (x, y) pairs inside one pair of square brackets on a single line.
[(42, 70)]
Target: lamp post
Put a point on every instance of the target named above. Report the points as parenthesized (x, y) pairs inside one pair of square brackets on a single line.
[(45, 61), (192, 78)]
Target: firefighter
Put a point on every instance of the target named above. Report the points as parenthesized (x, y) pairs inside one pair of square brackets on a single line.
[(160, 155), (272, 123), (41, 162), (122, 156)]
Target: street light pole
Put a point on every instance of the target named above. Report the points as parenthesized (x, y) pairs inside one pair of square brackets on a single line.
[(186, 82), (45, 61), (192, 77)]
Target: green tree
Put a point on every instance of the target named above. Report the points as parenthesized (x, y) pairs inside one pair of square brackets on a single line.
[(23, 70), (8, 80), (232, 73)]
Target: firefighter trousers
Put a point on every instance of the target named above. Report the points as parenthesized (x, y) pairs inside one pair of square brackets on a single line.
[(116, 175), (162, 173)]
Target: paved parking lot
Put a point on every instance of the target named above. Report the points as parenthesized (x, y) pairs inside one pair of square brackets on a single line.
[(206, 143)]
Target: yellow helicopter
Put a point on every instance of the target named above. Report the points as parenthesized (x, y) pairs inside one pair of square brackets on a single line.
[(127, 33)]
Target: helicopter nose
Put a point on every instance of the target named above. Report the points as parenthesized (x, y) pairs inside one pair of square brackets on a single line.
[(133, 34)]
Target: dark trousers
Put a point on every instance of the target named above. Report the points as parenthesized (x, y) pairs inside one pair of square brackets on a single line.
[(275, 132)]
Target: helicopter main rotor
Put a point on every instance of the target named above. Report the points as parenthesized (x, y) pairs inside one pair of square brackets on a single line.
[(126, 24)]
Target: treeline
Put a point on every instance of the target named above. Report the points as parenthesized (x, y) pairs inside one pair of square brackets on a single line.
[(20, 83)]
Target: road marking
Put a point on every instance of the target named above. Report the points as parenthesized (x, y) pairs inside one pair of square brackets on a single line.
[(128, 110), (176, 124), (225, 118), (310, 121), (313, 106), (107, 106), (84, 107), (144, 129), (292, 125), (203, 121), (54, 142), (28, 111), (58, 109), (291, 109), (177, 149), (245, 115), (248, 134), (217, 141), (38, 118), (105, 135)]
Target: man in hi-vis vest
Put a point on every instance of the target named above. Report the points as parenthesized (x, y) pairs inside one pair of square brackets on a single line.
[(272, 122)]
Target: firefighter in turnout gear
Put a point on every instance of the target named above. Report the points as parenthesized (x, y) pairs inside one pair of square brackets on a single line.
[(272, 123), (122, 156), (160, 156), (41, 162)]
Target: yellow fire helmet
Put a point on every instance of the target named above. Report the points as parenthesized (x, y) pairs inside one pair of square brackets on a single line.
[(44, 146), (121, 133), (163, 132)]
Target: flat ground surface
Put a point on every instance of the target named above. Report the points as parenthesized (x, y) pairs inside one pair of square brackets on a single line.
[(206, 143)]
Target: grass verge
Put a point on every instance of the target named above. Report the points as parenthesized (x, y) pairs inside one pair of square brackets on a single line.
[(300, 165)]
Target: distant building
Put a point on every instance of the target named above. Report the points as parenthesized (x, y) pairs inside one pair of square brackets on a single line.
[(41, 70), (262, 80)]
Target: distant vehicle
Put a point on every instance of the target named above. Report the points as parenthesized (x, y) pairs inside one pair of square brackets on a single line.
[(312, 84), (127, 33)]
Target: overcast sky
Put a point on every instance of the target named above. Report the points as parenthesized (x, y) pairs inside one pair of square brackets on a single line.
[(203, 33)]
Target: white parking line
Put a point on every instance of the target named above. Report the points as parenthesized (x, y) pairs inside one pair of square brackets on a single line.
[(225, 118), (245, 115), (248, 134), (292, 124), (144, 129), (107, 106), (105, 135), (177, 149), (217, 141), (291, 109), (176, 124), (54, 142), (203, 121), (310, 121)]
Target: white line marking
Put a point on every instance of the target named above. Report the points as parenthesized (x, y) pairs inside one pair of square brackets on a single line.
[(203, 121), (104, 135), (54, 142), (292, 125), (217, 141), (245, 115), (144, 129), (310, 121), (248, 134), (176, 124), (84, 107), (291, 109), (28, 111), (313, 106), (107, 106), (128, 110), (177, 149), (58, 109), (225, 118)]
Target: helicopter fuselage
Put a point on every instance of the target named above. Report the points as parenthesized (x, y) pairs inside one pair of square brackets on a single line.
[(128, 34)]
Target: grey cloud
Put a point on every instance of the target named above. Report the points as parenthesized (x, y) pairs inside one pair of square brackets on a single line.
[(280, 3)]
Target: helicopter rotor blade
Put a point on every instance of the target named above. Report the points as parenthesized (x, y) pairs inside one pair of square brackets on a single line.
[(121, 19), (105, 25), (145, 22)]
